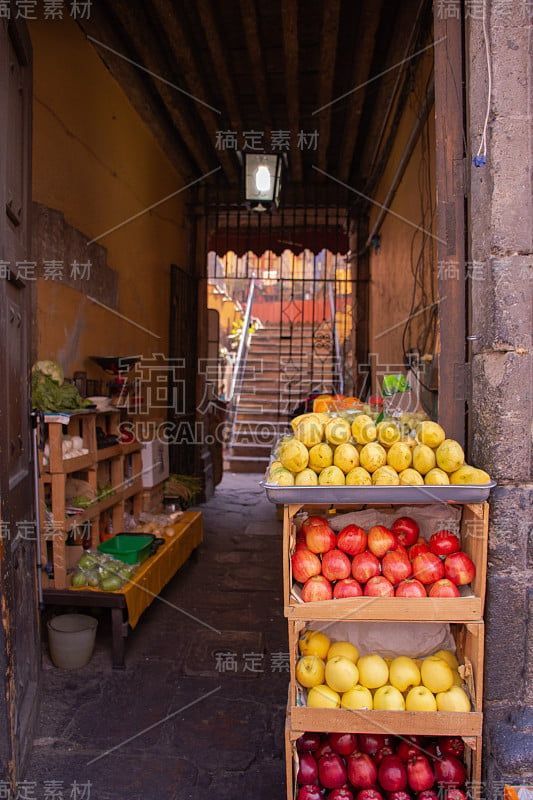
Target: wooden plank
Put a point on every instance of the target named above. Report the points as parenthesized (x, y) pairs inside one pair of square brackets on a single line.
[(289, 19), (219, 55), (368, 24), (181, 56), (449, 132), (255, 54), (328, 57)]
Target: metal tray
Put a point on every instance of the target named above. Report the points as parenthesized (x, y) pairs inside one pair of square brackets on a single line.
[(283, 495)]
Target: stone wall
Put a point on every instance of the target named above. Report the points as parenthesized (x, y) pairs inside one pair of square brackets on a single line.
[(500, 211)]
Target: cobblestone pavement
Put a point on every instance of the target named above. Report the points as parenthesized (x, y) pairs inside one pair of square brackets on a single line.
[(199, 711)]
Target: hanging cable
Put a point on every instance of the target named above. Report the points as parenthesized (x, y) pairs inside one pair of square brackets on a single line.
[(480, 158)]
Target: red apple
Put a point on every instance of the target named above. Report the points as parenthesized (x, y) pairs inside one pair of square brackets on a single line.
[(317, 588), (380, 539), (362, 772), (369, 794), (407, 750), (419, 773), (459, 568), (324, 749), (400, 548), (428, 568), (386, 750), (455, 794), (308, 742), (451, 746), (443, 588), (430, 750), (352, 540), (399, 795), (428, 794), (305, 564), (378, 586), (309, 792), (331, 771), (343, 743), (410, 588), (415, 550), (320, 538), (309, 522), (336, 565), (307, 769), (406, 530), (444, 542), (340, 794), (348, 587), (396, 566), (392, 775), (365, 566), (449, 772), (370, 743)]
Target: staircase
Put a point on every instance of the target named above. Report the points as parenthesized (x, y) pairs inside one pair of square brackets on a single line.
[(280, 373)]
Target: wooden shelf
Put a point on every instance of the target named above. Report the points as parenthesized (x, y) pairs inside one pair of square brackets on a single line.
[(124, 466)]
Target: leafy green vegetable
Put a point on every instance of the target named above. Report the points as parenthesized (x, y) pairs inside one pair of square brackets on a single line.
[(48, 395), (50, 368)]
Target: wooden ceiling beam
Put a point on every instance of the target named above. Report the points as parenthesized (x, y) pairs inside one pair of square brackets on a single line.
[(328, 55), (369, 23), (138, 28), (138, 88), (290, 48), (255, 54), (219, 56), (183, 61)]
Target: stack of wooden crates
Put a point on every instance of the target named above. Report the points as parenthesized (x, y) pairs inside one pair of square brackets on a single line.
[(465, 615)]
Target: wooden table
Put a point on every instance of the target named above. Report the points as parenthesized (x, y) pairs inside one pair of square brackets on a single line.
[(128, 604)]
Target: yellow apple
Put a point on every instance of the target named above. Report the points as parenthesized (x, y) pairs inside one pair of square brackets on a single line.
[(419, 698), (454, 699), (314, 643), (404, 673), (449, 657), (346, 649), (373, 671), (310, 671), (364, 429), (323, 696), (358, 698), (341, 674), (436, 674), (388, 698)]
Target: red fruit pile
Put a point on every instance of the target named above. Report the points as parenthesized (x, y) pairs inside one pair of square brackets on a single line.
[(370, 766), (380, 562)]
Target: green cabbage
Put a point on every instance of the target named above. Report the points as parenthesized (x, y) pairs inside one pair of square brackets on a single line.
[(50, 368), (50, 396)]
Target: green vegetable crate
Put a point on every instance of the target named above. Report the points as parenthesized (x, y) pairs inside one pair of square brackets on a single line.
[(130, 549)]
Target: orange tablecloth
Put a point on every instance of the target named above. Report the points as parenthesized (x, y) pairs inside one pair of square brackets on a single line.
[(156, 572)]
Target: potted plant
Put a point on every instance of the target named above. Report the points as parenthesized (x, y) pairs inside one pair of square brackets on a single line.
[(181, 491)]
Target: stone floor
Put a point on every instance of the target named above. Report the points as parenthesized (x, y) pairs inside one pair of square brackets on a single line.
[(199, 711)]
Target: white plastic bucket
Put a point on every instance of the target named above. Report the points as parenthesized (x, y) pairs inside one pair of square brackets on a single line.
[(71, 640)]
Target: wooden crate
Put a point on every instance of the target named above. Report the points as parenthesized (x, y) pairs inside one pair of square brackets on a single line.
[(474, 536), (469, 639), (472, 759)]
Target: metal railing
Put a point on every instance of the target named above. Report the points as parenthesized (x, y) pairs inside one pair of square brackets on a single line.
[(239, 366), (338, 357)]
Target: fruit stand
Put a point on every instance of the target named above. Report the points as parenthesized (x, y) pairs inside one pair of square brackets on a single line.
[(348, 573)]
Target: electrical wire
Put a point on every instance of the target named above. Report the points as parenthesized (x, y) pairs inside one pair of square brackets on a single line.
[(481, 156)]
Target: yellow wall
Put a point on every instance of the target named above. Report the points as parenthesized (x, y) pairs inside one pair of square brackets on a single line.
[(402, 241), (96, 161)]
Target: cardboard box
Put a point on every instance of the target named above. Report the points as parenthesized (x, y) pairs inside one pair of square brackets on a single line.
[(468, 608)]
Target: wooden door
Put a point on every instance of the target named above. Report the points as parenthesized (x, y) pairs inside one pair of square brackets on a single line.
[(19, 628)]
